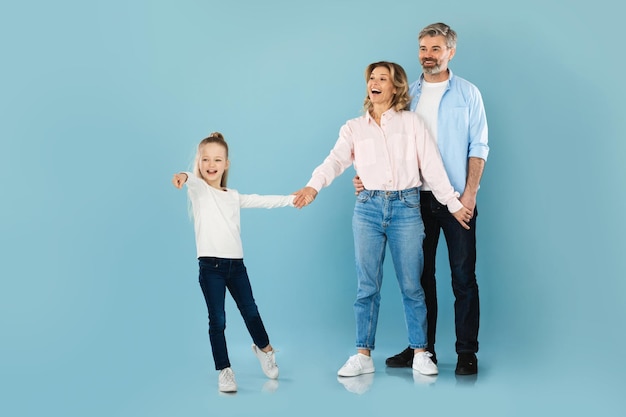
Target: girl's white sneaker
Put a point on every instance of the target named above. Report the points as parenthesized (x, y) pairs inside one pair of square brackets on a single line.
[(268, 362), (226, 380)]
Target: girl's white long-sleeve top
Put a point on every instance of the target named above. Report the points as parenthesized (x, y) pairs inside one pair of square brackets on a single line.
[(216, 216)]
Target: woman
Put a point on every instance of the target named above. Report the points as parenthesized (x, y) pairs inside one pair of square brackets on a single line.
[(390, 148)]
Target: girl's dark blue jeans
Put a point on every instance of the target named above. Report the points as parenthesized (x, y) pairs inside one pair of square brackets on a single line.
[(217, 275)]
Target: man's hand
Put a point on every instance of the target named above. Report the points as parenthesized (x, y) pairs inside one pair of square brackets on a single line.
[(469, 200), (463, 216)]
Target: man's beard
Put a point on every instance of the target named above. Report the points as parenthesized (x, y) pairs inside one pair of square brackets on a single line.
[(431, 70)]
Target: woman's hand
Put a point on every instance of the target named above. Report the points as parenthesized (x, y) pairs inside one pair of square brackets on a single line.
[(463, 216), (304, 197), (358, 185)]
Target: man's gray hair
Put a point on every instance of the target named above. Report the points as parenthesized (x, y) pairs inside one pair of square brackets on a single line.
[(437, 29)]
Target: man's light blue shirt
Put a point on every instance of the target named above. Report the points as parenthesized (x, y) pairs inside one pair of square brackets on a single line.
[(461, 126)]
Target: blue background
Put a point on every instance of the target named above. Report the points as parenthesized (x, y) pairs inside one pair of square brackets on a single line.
[(101, 102)]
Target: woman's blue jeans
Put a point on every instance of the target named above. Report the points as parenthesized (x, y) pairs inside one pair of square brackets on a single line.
[(391, 218), (216, 275)]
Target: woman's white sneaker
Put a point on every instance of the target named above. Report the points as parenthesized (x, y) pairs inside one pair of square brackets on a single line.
[(423, 364), (358, 364)]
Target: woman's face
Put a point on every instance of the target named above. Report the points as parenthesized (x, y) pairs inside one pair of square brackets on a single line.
[(380, 88)]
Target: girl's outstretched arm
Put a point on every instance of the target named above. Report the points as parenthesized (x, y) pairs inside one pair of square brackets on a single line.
[(179, 180)]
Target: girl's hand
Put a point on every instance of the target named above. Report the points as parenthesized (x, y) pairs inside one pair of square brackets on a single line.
[(179, 180)]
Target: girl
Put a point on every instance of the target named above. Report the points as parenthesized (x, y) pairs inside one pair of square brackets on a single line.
[(220, 253)]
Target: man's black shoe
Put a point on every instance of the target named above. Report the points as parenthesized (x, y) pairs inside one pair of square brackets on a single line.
[(404, 359), (467, 364)]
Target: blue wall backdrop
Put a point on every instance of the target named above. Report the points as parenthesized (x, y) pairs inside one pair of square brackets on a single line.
[(101, 102)]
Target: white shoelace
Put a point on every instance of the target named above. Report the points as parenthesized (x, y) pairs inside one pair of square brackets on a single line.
[(227, 377), (269, 359), (354, 362), (424, 356)]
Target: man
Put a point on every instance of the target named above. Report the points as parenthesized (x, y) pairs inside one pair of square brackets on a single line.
[(454, 113)]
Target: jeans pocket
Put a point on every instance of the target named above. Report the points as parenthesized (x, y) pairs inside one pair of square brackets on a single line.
[(208, 263), (411, 200), (363, 196)]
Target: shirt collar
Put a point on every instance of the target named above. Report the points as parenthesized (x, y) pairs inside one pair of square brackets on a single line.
[(388, 114), (421, 79)]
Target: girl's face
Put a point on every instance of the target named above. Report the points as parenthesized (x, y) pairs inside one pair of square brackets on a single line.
[(213, 163)]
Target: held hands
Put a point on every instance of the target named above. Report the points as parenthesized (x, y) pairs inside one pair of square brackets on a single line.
[(179, 179), (469, 201), (304, 197), (463, 216)]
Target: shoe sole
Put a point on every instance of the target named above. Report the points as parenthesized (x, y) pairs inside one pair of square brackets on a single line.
[(398, 365), (427, 374), (463, 372), (353, 375)]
